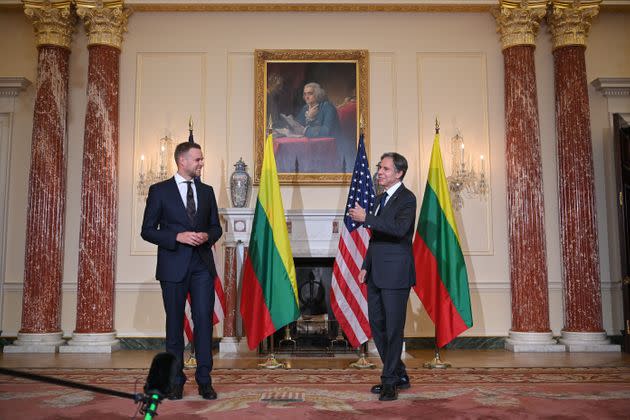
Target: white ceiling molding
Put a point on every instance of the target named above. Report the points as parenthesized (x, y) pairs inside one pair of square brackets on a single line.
[(12, 86), (612, 86)]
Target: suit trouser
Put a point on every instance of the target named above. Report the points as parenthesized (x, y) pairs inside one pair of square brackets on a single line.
[(387, 309), (200, 285)]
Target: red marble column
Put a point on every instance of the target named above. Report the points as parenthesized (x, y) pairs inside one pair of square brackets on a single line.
[(231, 291), (105, 23), (578, 225), (43, 272), (526, 210), (99, 194), (518, 24), (40, 329)]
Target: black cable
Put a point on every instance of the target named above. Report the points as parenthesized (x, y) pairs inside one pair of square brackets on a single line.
[(63, 382)]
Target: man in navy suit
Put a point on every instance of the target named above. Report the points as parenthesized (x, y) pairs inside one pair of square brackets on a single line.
[(388, 269), (182, 219)]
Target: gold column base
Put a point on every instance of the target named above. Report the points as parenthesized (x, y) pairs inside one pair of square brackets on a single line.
[(436, 363), (271, 363), (362, 363)]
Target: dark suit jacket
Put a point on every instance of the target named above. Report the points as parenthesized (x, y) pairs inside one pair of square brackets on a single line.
[(165, 216), (389, 260)]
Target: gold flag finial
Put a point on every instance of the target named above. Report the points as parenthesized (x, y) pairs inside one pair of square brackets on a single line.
[(437, 126), (361, 123), (270, 125), (190, 124)]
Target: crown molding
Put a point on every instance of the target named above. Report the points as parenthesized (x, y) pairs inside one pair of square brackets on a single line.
[(612, 86), (342, 6), (12, 86)]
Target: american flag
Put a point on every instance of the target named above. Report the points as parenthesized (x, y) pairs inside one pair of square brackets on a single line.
[(219, 297), (217, 316), (348, 296)]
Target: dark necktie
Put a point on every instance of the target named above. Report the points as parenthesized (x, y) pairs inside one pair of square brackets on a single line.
[(381, 203), (190, 203)]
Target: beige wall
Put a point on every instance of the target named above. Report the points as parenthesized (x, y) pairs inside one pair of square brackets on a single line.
[(421, 66)]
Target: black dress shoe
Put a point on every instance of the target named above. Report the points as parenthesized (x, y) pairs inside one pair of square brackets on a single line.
[(207, 392), (403, 383), (388, 393), (177, 392)]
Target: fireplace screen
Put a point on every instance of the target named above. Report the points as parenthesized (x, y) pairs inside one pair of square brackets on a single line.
[(316, 330)]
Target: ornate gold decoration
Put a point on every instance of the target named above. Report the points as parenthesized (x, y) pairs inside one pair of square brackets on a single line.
[(53, 22), (570, 21), (105, 21), (174, 6), (518, 21), (261, 57)]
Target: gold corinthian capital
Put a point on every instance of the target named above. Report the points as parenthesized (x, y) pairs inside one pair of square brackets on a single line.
[(53, 22), (518, 21), (105, 21), (570, 21)]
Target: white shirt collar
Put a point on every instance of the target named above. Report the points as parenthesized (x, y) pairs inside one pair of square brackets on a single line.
[(391, 190), (179, 179)]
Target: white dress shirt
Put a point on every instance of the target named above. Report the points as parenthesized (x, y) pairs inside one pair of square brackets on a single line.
[(183, 189), (390, 191)]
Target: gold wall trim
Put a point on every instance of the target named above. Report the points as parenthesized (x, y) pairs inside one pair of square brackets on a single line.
[(312, 7), (317, 7)]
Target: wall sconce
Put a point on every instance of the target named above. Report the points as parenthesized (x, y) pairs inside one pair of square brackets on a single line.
[(165, 167), (464, 181)]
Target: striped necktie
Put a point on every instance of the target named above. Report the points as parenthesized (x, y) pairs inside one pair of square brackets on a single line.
[(191, 209)]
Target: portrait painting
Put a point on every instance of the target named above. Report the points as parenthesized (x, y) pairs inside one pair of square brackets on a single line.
[(314, 104)]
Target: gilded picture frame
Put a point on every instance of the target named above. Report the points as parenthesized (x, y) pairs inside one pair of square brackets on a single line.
[(313, 102)]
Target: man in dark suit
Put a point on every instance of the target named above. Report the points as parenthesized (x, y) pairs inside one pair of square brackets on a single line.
[(388, 269), (182, 219)]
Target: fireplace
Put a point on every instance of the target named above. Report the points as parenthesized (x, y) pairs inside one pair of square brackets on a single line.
[(317, 330), (314, 236)]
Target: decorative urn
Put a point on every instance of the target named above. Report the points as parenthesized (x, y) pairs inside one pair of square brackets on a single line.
[(240, 184)]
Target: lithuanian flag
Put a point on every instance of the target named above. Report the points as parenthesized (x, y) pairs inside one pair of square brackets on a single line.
[(269, 294), (441, 277)]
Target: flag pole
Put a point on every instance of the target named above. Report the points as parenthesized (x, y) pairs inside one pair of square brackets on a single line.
[(271, 362), (192, 360), (436, 362), (363, 362)]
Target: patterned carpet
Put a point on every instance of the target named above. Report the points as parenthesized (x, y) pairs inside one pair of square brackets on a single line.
[(337, 393)]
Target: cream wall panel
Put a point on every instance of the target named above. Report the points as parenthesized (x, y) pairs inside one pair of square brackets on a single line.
[(77, 104), (546, 116), (12, 311), (170, 89), (556, 312), (460, 103), (490, 310), (240, 116), (383, 108)]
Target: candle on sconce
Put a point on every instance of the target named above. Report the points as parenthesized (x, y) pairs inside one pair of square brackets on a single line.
[(462, 157), (141, 165), (483, 167), (162, 160)]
